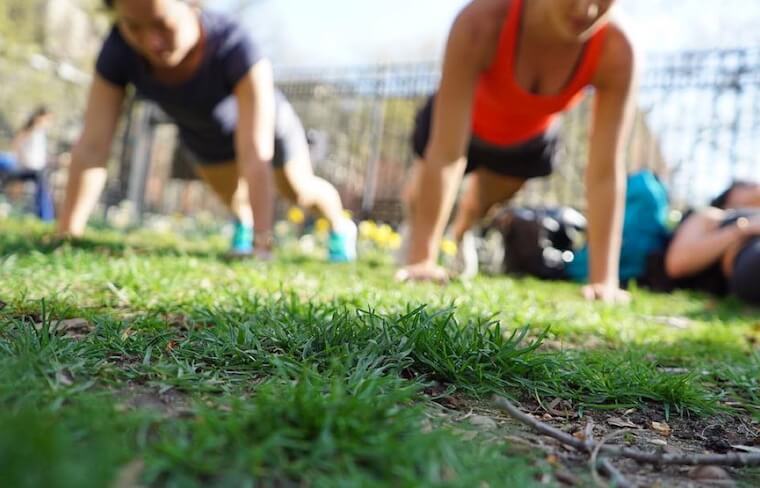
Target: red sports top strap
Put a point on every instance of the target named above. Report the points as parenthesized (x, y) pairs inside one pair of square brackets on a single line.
[(504, 113)]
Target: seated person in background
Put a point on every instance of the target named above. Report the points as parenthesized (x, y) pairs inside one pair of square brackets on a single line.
[(717, 250), (29, 160)]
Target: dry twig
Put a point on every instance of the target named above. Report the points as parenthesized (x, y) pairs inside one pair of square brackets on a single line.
[(617, 478), (733, 459)]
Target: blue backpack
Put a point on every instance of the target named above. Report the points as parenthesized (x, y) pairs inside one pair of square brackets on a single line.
[(644, 228)]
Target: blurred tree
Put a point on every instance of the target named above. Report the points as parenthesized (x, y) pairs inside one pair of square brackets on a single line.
[(19, 21)]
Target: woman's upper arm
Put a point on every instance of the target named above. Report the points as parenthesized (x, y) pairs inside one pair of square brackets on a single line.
[(468, 53), (104, 107), (615, 84), (696, 227), (255, 96)]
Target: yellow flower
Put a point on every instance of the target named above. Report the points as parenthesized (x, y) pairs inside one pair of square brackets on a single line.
[(383, 235), (295, 215), (348, 214), (321, 226), (449, 247), (395, 241), (367, 229)]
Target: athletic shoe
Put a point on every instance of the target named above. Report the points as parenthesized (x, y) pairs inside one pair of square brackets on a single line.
[(242, 241), (341, 245), (465, 263)]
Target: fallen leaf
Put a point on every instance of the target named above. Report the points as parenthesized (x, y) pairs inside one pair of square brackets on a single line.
[(673, 370), (171, 346), (622, 423), (120, 294), (676, 322), (754, 450), (657, 442), (662, 428), (76, 328), (72, 328), (546, 416), (552, 408), (64, 377), (552, 459), (128, 332), (483, 422)]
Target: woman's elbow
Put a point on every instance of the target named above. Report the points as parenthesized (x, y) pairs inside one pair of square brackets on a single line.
[(675, 265)]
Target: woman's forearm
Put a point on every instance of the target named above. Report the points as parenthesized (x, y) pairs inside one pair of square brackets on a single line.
[(258, 176), (84, 186), (435, 197), (606, 200), (687, 256)]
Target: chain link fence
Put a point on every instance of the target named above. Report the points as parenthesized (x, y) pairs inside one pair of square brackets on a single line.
[(697, 125)]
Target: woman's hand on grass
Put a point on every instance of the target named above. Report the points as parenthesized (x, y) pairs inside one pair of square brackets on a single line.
[(422, 272), (607, 293)]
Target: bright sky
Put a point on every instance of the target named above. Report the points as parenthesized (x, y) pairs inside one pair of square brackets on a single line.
[(329, 32)]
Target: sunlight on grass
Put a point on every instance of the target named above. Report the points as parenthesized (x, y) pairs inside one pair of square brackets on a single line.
[(219, 373)]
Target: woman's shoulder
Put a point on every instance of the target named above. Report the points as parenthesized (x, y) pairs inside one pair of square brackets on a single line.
[(224, 30), (115, 43), (485, 16), (617, 61), (479, 26)]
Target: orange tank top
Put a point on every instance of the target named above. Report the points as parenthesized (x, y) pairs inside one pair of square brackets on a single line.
[(504, 113)]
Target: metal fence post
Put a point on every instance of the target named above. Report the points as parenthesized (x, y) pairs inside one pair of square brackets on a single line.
[(140, 158), (377, 129)]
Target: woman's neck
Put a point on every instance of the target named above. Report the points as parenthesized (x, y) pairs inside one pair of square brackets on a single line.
[(538, 27)]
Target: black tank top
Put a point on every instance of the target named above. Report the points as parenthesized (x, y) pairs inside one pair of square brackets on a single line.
[(712, 279)]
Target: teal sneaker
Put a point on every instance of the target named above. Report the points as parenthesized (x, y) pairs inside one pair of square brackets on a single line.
[(341, 245), (242, 241)]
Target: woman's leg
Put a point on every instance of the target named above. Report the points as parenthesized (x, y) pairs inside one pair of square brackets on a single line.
[(483, 190), (297, 182), (225, 181)]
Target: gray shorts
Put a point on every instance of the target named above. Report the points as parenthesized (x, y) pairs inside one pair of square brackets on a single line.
[(289, 142)]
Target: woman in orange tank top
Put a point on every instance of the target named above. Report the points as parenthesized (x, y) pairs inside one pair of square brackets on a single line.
[(511, 68)]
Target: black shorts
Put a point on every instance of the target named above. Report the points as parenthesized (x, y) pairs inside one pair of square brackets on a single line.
[(530, 159)]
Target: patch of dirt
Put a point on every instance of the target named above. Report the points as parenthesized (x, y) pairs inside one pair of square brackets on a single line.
[(171, 403), (646, 430)]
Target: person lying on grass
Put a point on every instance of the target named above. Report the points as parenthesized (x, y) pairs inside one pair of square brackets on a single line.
[(203, 69), (510, 68), (717, 249)]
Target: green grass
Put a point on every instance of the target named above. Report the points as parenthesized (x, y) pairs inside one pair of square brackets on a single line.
[(215, 373)]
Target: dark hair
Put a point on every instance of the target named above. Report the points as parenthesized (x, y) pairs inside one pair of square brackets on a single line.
[(721, 200), (41, 111)]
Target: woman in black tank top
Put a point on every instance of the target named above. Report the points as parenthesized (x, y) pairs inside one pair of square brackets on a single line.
[(718, 250)]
